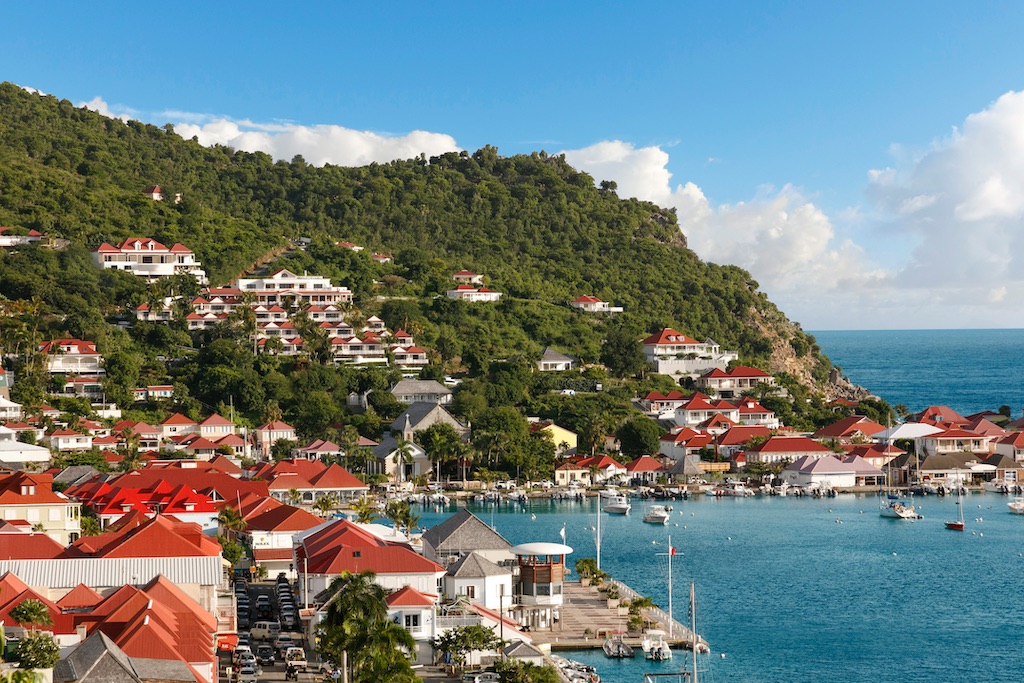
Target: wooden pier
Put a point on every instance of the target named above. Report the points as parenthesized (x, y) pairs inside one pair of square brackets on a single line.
[(585, 609)]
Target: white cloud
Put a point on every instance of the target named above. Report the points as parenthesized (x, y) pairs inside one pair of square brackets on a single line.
[(318, 145), (953, 215), (98, 105), (785, 241)]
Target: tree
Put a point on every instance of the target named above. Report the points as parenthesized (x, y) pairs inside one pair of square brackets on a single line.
[(518, 671), (401, 515), (622, 353), (639, 436), (325, 505), (441, 443), (232, 551), (458, 642), (402, 457), (356, 605), (231, 522), (37, 651), (366, 510), (90, 526), (380, 652), (32, 613)]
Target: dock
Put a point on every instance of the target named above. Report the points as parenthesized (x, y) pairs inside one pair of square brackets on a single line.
[(585, 609)]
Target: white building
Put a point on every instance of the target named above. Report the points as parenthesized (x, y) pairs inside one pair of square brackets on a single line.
[(285, 288), (72, 357), (591, 304), (674, 353), (149, 259), (472, 294), (480, 580)]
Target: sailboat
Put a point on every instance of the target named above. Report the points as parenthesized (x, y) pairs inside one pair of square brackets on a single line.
[(958, 525)]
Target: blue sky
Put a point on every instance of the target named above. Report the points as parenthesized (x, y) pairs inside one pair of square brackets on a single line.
[(860, 159)]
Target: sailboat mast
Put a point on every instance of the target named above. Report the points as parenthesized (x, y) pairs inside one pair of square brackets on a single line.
[(598, 530), (693, 632), (671, 621)]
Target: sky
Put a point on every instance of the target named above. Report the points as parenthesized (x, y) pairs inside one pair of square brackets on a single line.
[(864, 161)]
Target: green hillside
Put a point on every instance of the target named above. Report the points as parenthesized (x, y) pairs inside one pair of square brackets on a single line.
[(540, 231)]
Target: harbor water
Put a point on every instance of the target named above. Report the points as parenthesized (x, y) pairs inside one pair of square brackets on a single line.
[(800, 589)]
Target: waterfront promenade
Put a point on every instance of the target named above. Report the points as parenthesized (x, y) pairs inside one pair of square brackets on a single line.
[(585, 609)]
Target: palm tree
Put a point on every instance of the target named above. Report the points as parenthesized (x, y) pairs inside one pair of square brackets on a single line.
[(403, 456), (131, 459), (32, 613), (381, 653), (326, 504), (356, 603), (366, 511), (231, 522), (401, 515), (294, 497)]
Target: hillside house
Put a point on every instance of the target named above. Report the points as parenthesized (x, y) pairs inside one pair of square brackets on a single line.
[(673, 353), (591, 304), (147, 258), (735, 381)]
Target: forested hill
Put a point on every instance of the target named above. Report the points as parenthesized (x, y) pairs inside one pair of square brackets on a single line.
[(540, 230)]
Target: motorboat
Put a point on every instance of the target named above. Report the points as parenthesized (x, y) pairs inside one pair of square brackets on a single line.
[(657, 514), (610, 492), (734, 489), (654, 646), (897, 508), (616, 648), (619, 505), (1016, 506)]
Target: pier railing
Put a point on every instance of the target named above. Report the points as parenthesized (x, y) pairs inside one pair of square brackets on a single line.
[(679, 632)]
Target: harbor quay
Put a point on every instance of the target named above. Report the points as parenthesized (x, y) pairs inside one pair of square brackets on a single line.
[(585, 620)]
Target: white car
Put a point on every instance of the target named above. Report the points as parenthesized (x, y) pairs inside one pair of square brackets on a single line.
[(247, 674)]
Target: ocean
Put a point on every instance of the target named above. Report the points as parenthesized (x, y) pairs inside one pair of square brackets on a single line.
[(817, 590), (967, 370)]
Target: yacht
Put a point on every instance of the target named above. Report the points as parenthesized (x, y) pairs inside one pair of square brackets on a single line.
[(617, 505), (896, 508), (657, 514), (615, 647)]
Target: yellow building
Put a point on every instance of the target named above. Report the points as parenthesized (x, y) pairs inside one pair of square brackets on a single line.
[(564, 440)]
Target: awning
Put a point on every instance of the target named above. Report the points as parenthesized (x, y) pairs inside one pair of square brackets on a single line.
[(226, 642)]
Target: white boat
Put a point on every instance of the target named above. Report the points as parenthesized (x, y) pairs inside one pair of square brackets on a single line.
[(655, 647), (615, 647), (657, 514), (897, 508), (610, 492), (619, 505), (1016, 506), (734, 489)]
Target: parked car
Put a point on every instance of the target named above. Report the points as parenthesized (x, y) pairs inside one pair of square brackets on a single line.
[(507, 485), (262, 600)]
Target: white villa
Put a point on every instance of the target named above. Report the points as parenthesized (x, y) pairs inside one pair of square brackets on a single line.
[(148, 258), (591, 304), (285, 288), (674, 353), (472, 294), (72, 357)]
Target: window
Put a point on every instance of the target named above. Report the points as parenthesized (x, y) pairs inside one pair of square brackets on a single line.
[(54, 514), (412, 621), (471, 592)]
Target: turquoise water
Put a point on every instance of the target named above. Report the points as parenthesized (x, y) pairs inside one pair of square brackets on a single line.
[(968, 370), (789, 594)]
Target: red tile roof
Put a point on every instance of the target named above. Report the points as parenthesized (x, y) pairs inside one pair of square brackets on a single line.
[(410, 597), (669, 337)]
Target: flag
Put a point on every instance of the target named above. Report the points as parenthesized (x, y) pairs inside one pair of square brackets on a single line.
[(671, 551), (562, 532)]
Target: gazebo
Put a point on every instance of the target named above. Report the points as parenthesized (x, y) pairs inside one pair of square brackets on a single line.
[(539, 586)]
